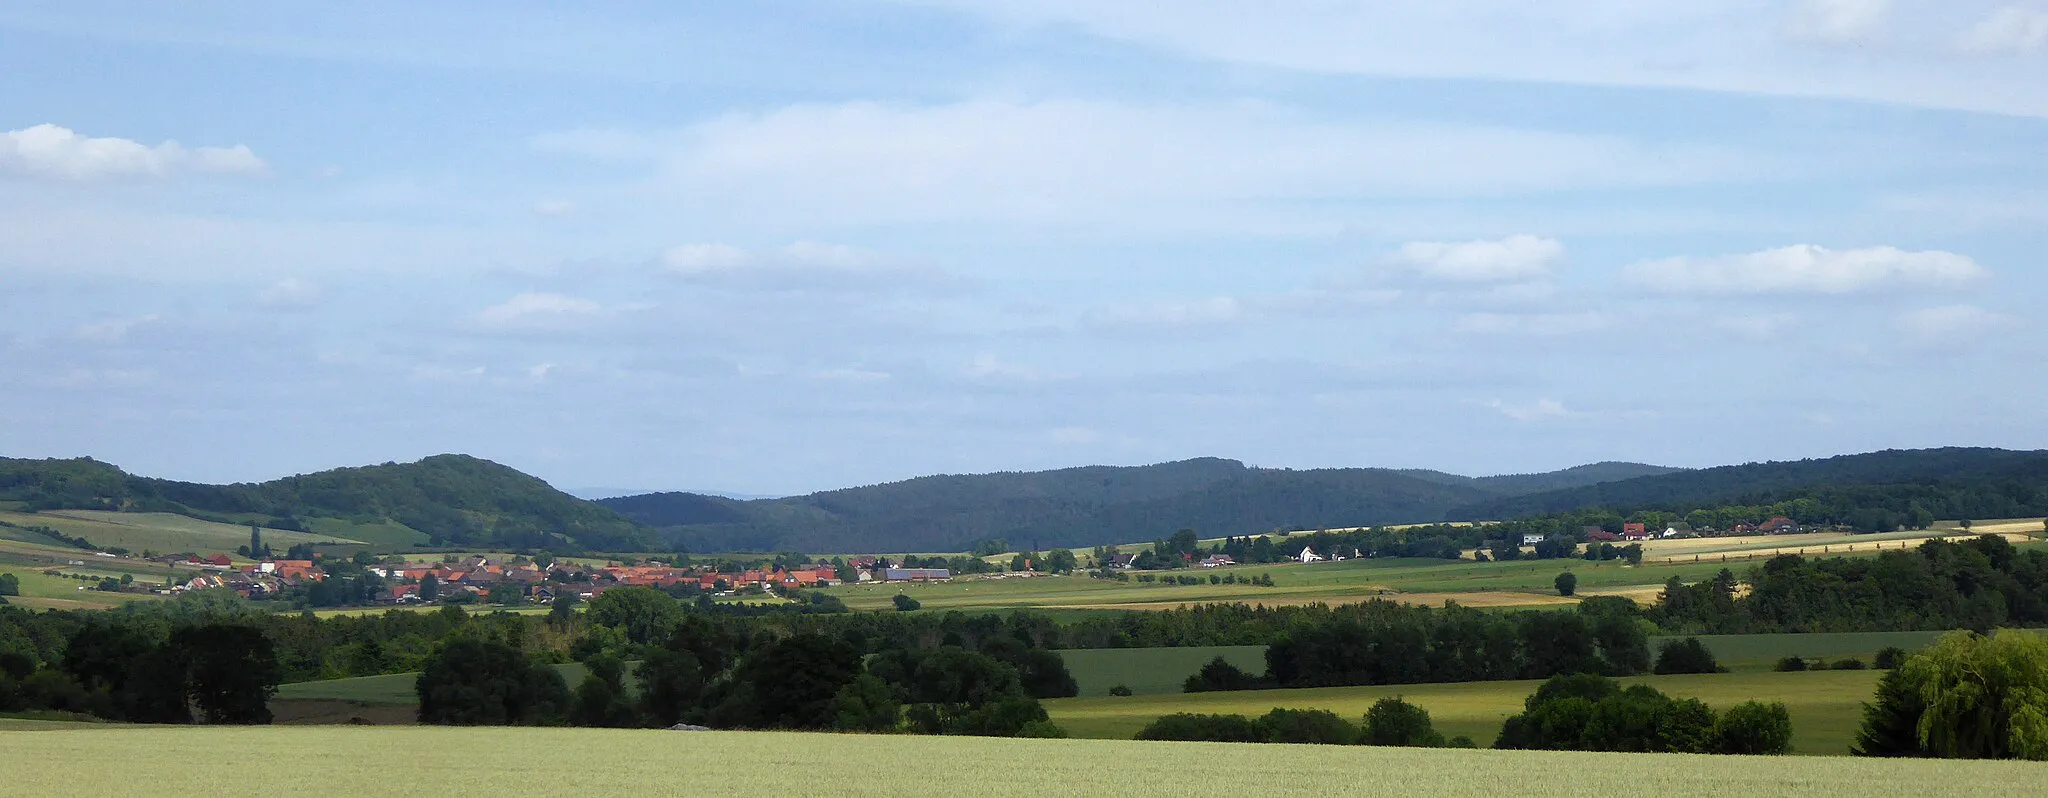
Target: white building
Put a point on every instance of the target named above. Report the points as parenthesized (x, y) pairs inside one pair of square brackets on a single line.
[(1309, 555)]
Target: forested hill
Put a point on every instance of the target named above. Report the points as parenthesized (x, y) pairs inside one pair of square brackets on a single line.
[(1947, 483), (454, 499), (1082, 506)]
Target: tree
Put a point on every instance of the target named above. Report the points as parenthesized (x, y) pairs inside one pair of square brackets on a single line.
[(792, 683), (1754, 728), (601, 699), (1204, 728), (671, 684), (231, 671), (1041, 673), (867, 704), (1889, 658), (1316, 726), (1986, 697), (1219, 675), (10, 585), (1566, 583), (564, 608), (470, 682), (430, 587), (1392, 721), (1685, 656), (905, 603), (1891, 720), (643, 613)]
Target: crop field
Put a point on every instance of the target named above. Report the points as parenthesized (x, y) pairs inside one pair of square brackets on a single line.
[(540, 762), (1150, 671), (160, 532), (1826, 706)]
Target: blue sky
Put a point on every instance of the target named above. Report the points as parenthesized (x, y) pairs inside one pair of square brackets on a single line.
[(783, 247)]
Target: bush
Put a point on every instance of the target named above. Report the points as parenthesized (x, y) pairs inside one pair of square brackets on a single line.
[(1790, 664), (1686, 656), (1120, 690), (1204, 728), (1392, 721), (905, 603), (1889, 658), (1219, 676), (1566, 584), (1754, 728), (1308, 726), (1043, 729), (1461, 741), (1850, 664)]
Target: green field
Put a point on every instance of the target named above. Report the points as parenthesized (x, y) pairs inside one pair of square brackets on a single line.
[(1149, 671), (1826, 705), (545, 762), (159, 532), (389, 690)]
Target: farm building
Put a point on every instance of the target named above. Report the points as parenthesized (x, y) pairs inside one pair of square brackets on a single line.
[(916, 574), (1217, 561), (1635, 532), (1778, 526), (1309, 555), (1532, 538)]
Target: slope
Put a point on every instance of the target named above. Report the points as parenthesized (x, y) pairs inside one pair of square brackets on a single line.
[(1983, 483)]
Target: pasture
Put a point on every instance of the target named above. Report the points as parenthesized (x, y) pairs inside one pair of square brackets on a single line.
[(158, 532), (1826, 706), (545, 762), (1149, 671)]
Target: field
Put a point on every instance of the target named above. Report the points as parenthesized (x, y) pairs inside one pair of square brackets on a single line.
[(545, 762), (1150, 671), (159, 532), (1826, 705)]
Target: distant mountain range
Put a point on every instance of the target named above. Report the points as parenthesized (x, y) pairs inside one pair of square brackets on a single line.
[(1086, 506), (458, 500)]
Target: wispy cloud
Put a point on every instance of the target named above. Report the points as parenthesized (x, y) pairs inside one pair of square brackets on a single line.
[(57, 153)]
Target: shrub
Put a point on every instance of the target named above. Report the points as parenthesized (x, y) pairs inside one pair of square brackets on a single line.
[(905, 603), (1790, 664), (1889, 658), (1120, 690), (1204, 728), (1754, 728), (1043, 729), (1686, 656), (1850, 664), (1392, 721), (1308, 726), (1461, 741), (1218, 676), (1566, 584)]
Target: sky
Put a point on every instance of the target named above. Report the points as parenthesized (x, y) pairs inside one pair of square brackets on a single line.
[(779, 247)]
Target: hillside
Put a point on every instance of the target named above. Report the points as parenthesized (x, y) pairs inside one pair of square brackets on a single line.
[(1081, 506), (1948, 483), (452, 499)]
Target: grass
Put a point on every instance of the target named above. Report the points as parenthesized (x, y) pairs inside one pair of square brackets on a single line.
[(1826, 706), (1151, 671), (389, 690), (543, 762)]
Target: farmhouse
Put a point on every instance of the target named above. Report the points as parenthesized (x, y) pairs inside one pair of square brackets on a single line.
[(1599, 535), (1308, 555), (916, 574), (1635, 532), (1123, 561), (1217, 561), (1532, 538), (1778, 526)]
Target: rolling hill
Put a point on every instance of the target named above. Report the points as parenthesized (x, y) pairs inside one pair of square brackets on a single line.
[(1082, 506), (450, 499)]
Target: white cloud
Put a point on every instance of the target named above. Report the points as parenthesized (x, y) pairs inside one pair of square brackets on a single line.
[(56, 153), (1951, 323), (1807, 269), (1126, 166), (1839, 21), (539, 312), (2009, 29), (799, 266), (1547, 325), (1716, 46), (1541, 410), (290, 292), (1512, 259), (1168, 313)]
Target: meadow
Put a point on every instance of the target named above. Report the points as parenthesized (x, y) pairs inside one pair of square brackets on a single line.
[(81, 760), (1826, 706), (159, 532)]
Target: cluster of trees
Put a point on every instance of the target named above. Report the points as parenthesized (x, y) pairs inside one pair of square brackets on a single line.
[(1970, 696), (1387, 643), (1586, 712), (10, 585), (1981, 583), (1390, 722), (121, 669)]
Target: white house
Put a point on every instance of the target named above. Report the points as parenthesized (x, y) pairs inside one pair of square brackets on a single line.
[(1309, 555), (1533, 538)]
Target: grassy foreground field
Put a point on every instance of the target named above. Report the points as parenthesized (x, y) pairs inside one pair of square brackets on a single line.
[(548, 762), (1826, 706)]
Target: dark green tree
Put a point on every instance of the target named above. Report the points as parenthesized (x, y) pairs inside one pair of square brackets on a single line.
[(1891, 720), (867, 704), (1566, 584), (470, 682), (905, 603), (1219, 675), (792, 683), (1686, 656), (643, 613), (231, 671), (430, 587), (1394, 722), (1754, 728), (10, 585), (1204, 728), (1316, 726)]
